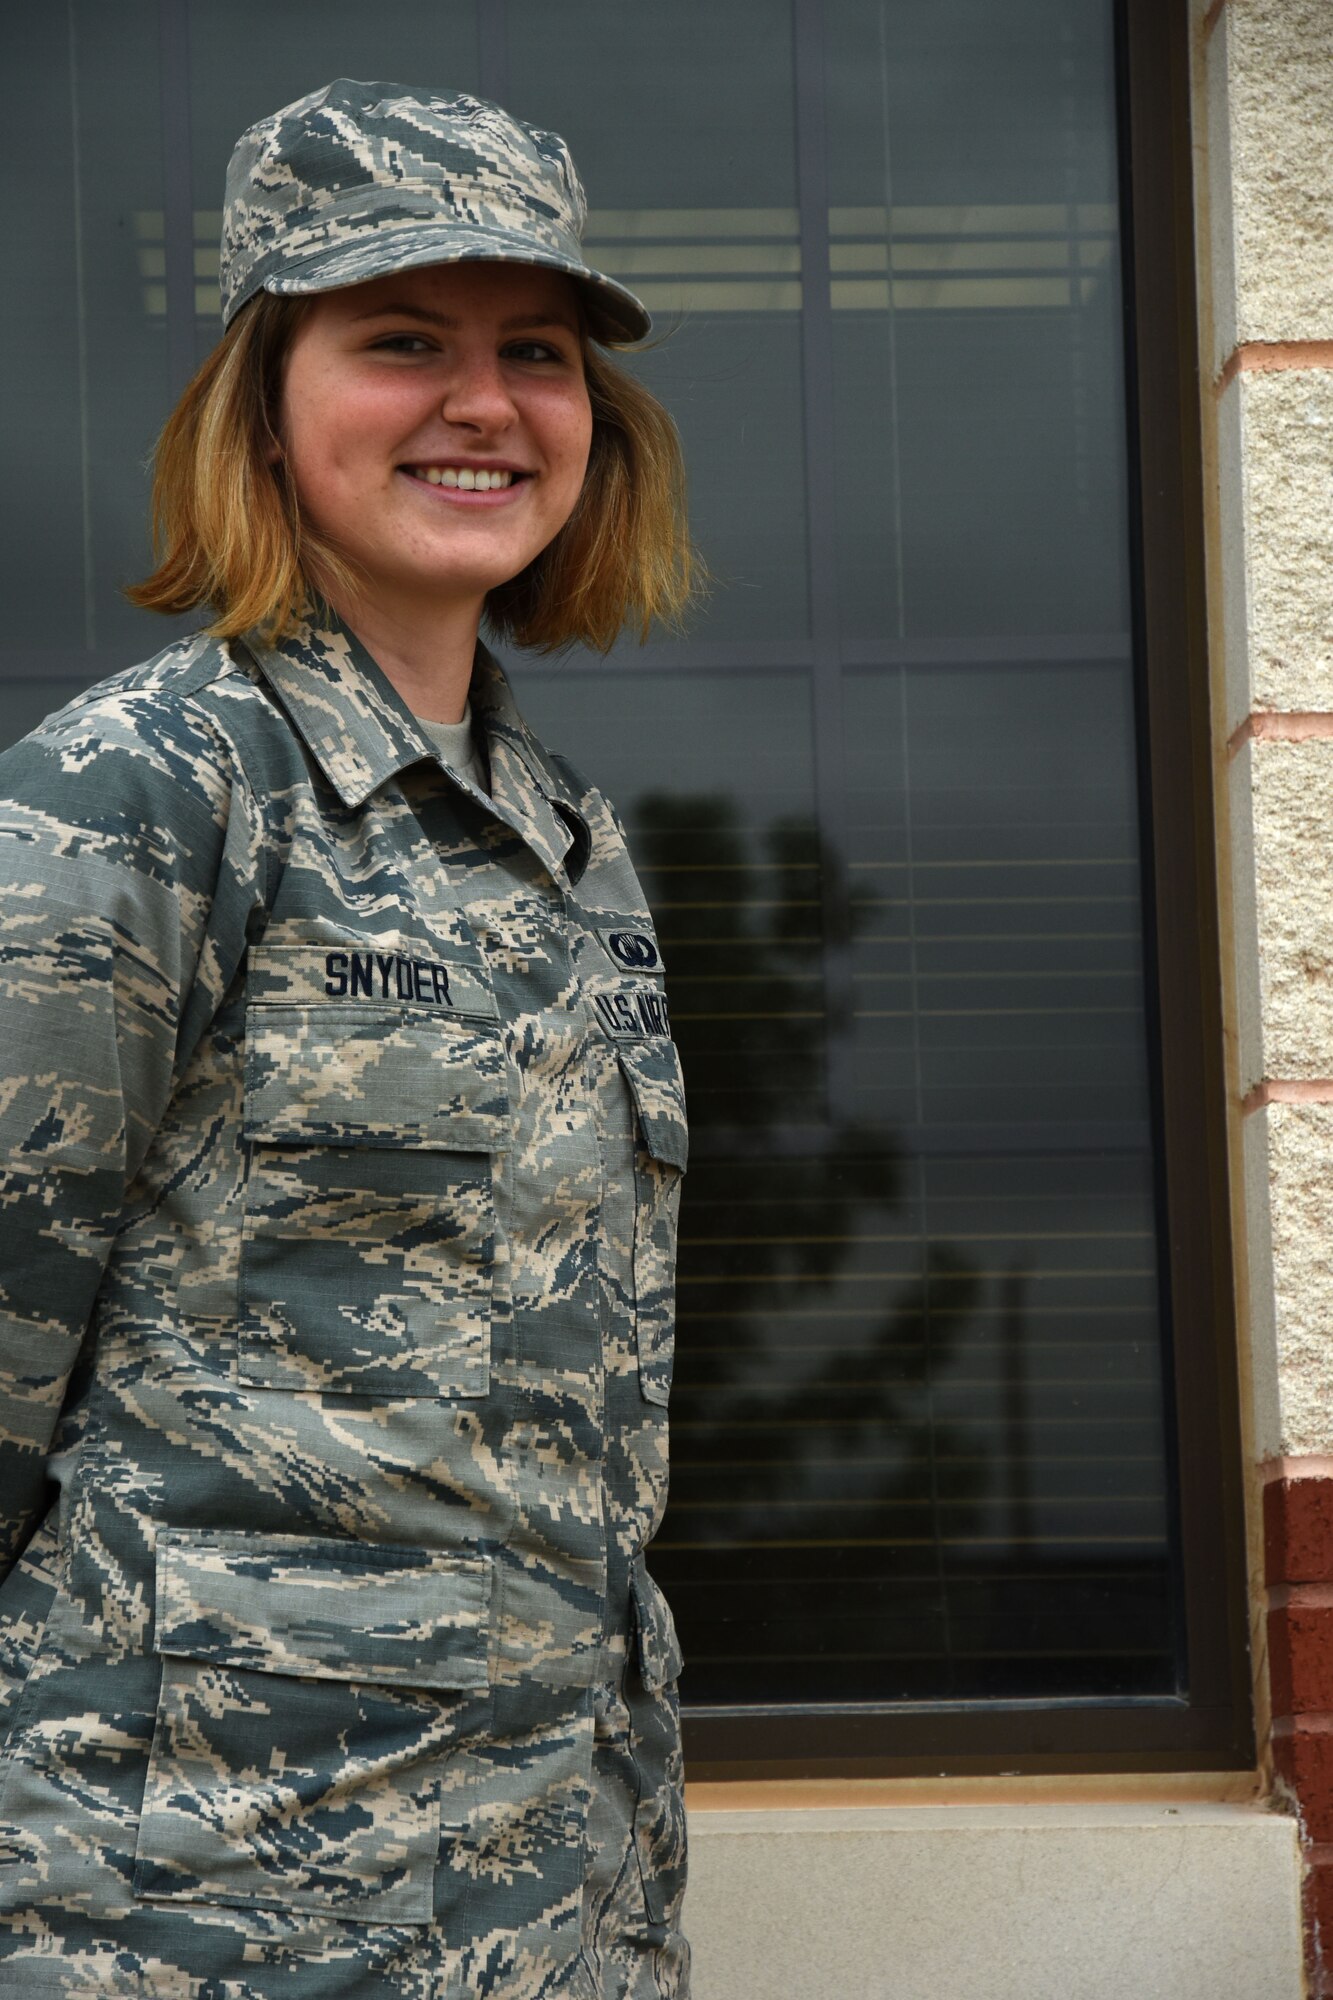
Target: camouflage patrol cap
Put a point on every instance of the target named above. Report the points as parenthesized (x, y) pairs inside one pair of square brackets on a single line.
[(359, 179)]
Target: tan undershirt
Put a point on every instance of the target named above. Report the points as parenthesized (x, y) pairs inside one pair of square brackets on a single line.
[(457, 747)]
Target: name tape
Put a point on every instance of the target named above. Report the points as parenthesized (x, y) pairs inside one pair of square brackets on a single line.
[(385, 975)]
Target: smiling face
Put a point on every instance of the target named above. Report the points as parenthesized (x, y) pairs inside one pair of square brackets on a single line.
[(436, 425)]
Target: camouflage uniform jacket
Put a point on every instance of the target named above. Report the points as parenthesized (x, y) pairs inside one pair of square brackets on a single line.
[(342, 1138)]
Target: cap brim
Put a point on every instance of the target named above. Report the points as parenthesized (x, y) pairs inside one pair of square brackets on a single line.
[(614, 314)]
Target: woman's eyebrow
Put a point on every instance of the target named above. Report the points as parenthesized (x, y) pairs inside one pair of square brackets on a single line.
[(519, 321)]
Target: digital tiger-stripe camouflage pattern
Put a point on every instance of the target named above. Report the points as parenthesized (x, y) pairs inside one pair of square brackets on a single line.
[(359, 179), (342, 1141)]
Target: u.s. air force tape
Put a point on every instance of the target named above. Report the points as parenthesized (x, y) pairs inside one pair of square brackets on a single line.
[(630, 1016), (636, 951)]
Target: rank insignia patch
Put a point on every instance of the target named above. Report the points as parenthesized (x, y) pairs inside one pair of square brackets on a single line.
[(634, 950)]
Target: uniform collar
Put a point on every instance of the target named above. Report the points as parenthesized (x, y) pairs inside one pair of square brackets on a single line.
[(361, 733), (520, 766)]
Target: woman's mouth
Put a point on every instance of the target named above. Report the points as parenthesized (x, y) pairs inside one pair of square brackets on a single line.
[(475, 480)]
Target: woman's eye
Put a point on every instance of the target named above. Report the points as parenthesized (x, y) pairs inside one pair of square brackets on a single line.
[(402, 343), (533, 350)]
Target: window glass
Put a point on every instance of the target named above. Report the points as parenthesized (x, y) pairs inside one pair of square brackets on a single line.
[(84, 365), (976, 320)]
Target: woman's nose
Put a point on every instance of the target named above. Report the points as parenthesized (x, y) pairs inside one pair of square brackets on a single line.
[(476, 394)]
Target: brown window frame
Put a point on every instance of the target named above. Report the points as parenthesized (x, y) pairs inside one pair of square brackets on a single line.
[(1210, 1725)]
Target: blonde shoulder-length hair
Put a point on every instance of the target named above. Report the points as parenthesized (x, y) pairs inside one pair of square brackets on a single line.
[(228, 532)]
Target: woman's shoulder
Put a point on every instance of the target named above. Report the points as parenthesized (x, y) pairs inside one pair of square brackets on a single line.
[(190, 716), (182, 681), (159, 772)]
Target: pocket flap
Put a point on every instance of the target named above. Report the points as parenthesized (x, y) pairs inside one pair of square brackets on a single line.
[(652, 1070), (365, 1076), (324, 1610), (660, 1656)]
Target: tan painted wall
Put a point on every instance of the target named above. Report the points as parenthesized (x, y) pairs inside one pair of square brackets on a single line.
[(1264, 140)]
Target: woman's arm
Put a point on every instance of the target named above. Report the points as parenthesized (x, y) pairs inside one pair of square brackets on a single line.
[(124, 837)]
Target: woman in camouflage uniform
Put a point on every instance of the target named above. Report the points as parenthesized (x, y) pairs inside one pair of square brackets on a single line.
[(342, 1140)]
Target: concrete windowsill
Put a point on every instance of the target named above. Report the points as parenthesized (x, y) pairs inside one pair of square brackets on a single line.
[(1194, 1901)]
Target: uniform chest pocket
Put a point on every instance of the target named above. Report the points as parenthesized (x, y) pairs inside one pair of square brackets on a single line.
[(368, 1260), (651, 1068)]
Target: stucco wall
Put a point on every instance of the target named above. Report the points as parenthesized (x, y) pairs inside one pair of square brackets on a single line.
[(1264, 87), (1266, 173)]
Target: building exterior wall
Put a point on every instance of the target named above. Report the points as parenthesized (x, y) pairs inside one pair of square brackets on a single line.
[(1264, 75)]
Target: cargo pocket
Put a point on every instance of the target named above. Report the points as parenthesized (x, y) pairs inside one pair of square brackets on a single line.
[(312, 1692), (654, 1709), (368, 1239), (652, 1070)]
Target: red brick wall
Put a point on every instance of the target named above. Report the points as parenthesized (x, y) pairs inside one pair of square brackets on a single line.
[(1298, 1561)]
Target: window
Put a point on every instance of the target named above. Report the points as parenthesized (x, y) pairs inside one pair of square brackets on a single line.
[(917, 800)]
